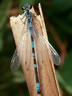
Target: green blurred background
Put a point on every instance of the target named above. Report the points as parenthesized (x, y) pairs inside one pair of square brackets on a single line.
[(58, 19)]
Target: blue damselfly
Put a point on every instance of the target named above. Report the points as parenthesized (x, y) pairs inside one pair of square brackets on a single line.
[(39, 44)]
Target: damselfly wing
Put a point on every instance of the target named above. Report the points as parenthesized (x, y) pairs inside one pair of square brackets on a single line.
[(23, 51), (43, 42)]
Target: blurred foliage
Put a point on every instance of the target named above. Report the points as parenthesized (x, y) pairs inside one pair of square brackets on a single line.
[(65, 74), (59, 13)]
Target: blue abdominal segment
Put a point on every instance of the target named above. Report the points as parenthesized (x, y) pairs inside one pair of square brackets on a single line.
[(38, 87), (31, 33), (35, 65), (32, 44), (34, 55)]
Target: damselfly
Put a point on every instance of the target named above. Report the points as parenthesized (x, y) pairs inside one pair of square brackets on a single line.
[(39, 45)]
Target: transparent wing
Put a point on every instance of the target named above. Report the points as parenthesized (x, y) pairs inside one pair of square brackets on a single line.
[(16, 59), (41, 41), (17, 56), (15, 62), (41, 50), (55, 55)]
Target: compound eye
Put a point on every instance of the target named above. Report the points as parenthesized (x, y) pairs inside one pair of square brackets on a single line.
[(23, 7), (30, 6)]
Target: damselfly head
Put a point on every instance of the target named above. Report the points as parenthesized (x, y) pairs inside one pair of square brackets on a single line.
[(26, 7)]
